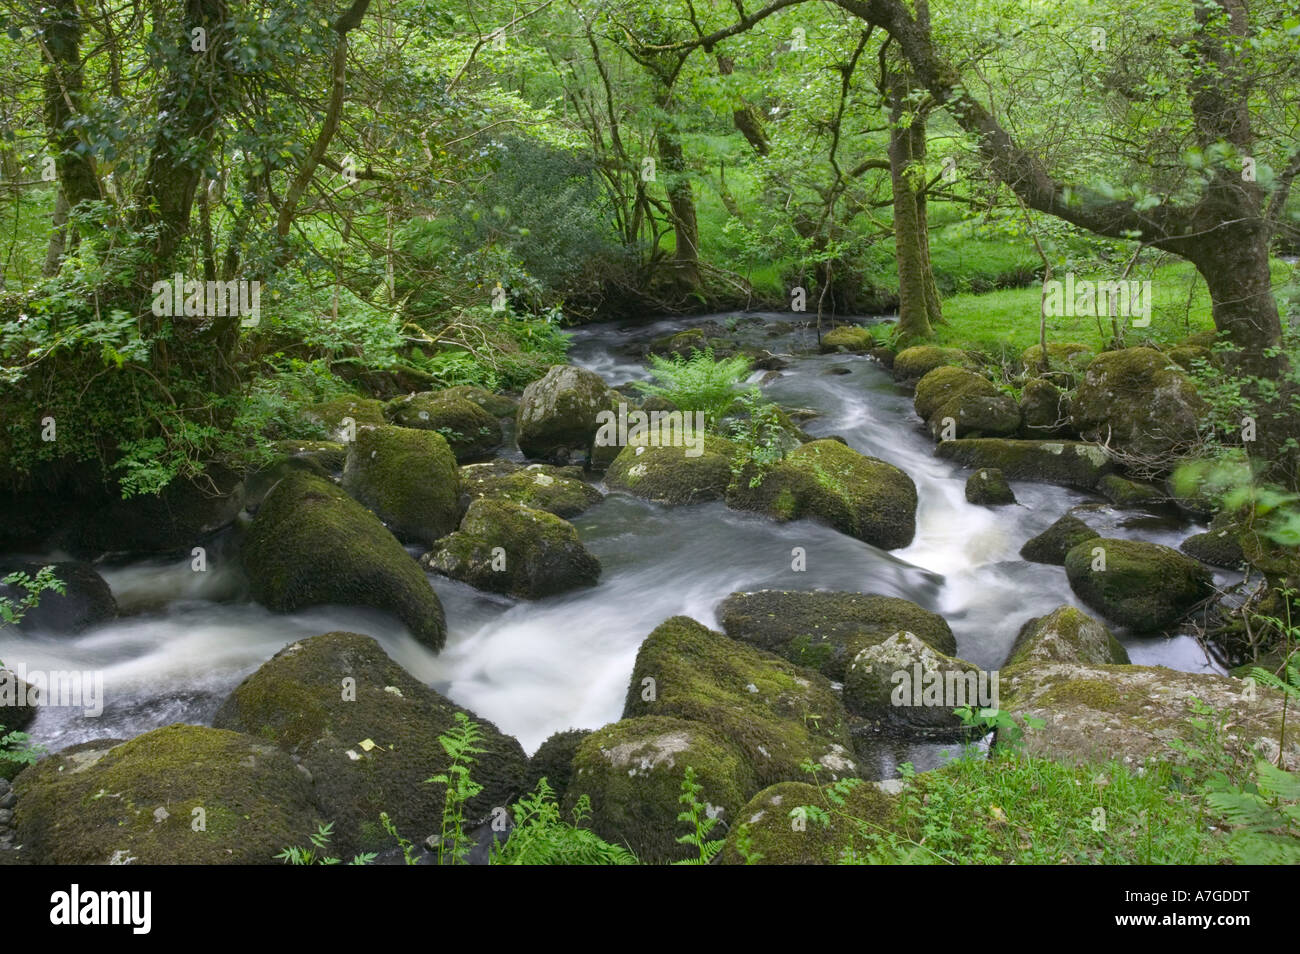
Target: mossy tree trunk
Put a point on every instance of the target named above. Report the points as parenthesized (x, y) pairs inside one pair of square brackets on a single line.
[(918, 297)]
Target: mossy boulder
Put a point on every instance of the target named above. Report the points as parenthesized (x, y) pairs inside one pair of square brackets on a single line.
[(184, 794), (1140, 402), (779, 834), (1130, 494), (471, 432), (1044, 410), (556, 490), (361, 411), (557, 418), (976, 415), (852, 338), (668, 475), (18, 702), (904, 681), (988, 487), (1144, 586), (329, 455), (944, 385), (553, 761), (824, 480), (504, 547), (779, 714), (408, 478), (311, 543), (1216, 547), (367, 731), (1071, 463), (912, 364), (1094, 713), (1056, 541), (498, 405), (824, 630), (1066, 635), (86, 601), (633, 770), (1062, 356)]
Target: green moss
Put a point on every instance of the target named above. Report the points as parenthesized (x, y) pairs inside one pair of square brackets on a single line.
[(988, 486), (911, 364), (1056, 541), (408, 478), (943, 385), (361, 410), (498, 405), (1062, 356), (471, 431), (871, 686), (1139, 401), (779, 838), (539, 486), (1092, 693), (853, 338), (667, 475), (330, 455), (1066, 635), (1145, 586), (1072, 463), (1129, 493), (1216, 547)]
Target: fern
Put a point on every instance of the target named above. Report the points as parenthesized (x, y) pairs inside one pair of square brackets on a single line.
[(541, 836), (461, 742), (320, 840), (1265, 815), (698, 383), (701, 823)]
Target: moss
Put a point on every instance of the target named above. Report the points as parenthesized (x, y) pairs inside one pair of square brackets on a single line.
[(943, 385), (553, 761), (1066, 635), (778, 838), (1092, 693), (361, 410), (853, 338), (1056, 541), (1216, 547), (1129, 493), (912, 364), (408, 478), (330, 455), (322, 699), (780, 715), (667, 475), (539, 486), (988, 486), (1140, 402), (972, 415), (104, 802), (872, 684), (557, 415), (826, 626), (503, 547), (1044, 410), (633, 770), (498, 405), (311, 544), (1062, 356), (1071, 463), (471, 431), (862, 496), (1144, 586)]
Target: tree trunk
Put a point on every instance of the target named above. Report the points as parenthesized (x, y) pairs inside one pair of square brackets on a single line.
[(686, 257), (918, 297), (58, 236), (63, 85)]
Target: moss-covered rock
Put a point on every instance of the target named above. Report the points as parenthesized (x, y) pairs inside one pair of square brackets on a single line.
[(472, 432), (976, 415), (361, 411), (498, 405), (633, 772), (1071, 463), (1143, 585), (310, 544), (944, 385), (1140, 402), (1044, 410), (905, 681), (183, 794), (912, 364), (862, 496), (86, 600), (1094, 713), (556, 490), (1189, 356), (988, 487), (557, 418), (1130, 494), (778, 833), (852, 338), (669, 475), (553, 761), (779, 714), (504, 547), (367, 731), (1056, 541), (330, 455), (1066, 635), (1062, 356), (408, 478), (1216, 547), (823, 630)]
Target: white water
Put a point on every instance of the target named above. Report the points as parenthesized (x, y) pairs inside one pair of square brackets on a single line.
[(187, 638)]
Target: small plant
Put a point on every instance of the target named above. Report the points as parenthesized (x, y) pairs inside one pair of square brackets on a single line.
[(541, 836), (409, 853), (758, 436), (13, 610), (696, 815), (316, 855), (698, 383), (1010, 735), (461, 742), (1266, 814)]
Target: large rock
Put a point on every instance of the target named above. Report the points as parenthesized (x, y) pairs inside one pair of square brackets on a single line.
[(180, 516), (1130, 494), (988, 487), (472, 432), (1056, 541), (958, 403), (498, 405), (1044, 410), (1144, 586), (825, 630), (553, 761), (504, 547), (904, 681), (557, 490), (862, 496), (1216, 547), (336, 414), (780, 715), (778, 833), (912, 364), (18, 702), (946, 384), (557, 415), (1066, 635), (1071, 463), (667, 475), (1138, 401), (183, 794), (367, 731), (852, 338), (310, 543), (1065, 357), (633, 770), (408, 478), (1096, 713), (86, 600)]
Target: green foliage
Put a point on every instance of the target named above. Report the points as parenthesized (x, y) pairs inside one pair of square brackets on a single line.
[(700, 822), (316, 854), (541, 836), (698, 383), (1010, 734), (410, 854), (1235, 481), (461, 742), (1265, 815), (758, 433), (13, 610)]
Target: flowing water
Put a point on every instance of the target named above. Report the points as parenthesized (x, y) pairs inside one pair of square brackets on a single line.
[(186, 638)]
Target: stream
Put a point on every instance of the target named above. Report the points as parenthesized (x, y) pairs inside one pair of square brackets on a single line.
[(186, 638)]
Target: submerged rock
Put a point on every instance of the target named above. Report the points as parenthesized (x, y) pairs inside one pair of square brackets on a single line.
[(1144, 586), (1056, 541), (1071, 463), (310, 544), (408, 478)]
